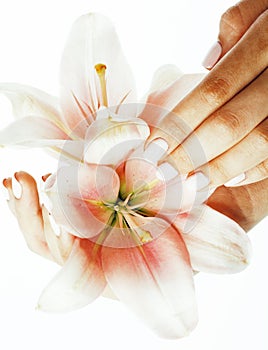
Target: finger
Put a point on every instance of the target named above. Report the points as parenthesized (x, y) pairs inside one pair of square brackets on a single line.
[(236, 70), (233, 25), (236, 21), (248, 153), (247, 205), (258, 173), (231, 123)]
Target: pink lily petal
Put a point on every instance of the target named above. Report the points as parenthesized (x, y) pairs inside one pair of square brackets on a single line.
[(80, 90), (32, 132), (155, 281), (160, 190), (144, 181), (28, 212), (161, 102), (80, 281), (111, 139), (80, 198), (215, 243)]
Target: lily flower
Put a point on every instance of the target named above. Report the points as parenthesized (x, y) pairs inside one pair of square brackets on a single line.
[(125, 224)]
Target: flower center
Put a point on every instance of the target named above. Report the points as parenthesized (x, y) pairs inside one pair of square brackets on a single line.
[(127, 218), (101, 70), (121, 206)]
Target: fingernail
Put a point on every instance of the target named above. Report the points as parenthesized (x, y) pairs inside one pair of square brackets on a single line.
[(156, 150), (236, 181), (212, 56), (6, 189), (167, 171), (201, 180)]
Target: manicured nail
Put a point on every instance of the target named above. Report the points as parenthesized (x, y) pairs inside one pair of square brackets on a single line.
[(200, 179), (236, 181), (156, 150), (6, 188), (167, 171), (212, 56)]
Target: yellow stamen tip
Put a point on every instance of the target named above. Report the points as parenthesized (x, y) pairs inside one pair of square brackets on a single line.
[(100, 68)]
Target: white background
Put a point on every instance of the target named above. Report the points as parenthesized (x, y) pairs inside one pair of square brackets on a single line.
[(233, 309)]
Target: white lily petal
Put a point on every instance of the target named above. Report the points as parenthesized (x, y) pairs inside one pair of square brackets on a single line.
[(112, 139), (77, 196), (32, 132), (160, 102), (161, 189), (80, 89), (155, 281), (164, 76), (68, 151), (80, 281), (215, 242), (29, 101)]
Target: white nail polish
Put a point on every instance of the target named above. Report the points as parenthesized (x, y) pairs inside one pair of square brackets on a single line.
[(16, 188), (235, 181), (160, 143), (201, 180), (212, 56), (167, 171), (156, 150), (4, 193)]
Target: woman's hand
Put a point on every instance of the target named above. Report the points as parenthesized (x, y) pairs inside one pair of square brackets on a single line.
[(227, 112), (247, 205)]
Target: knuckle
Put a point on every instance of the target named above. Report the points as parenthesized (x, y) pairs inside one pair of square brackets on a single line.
[(233, 20), (261, 27), (214, 91), (228, 123), (263, 168), (262, 134), (218, 171)]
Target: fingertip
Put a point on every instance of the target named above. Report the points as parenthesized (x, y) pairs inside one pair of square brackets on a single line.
[(18, 175), (151, 138), (213, 56), (45, 177), (22, 176), (7, 183)]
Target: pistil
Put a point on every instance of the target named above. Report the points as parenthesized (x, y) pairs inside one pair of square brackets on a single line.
[(100, 70)]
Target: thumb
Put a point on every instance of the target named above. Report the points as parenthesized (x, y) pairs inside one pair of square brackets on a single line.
[(233, 25), (247, 205), (236, 21)]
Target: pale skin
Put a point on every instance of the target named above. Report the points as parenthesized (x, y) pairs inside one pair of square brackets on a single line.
[(231, 122)]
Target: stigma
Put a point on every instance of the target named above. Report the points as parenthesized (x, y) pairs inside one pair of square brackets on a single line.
[(101, 70)]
